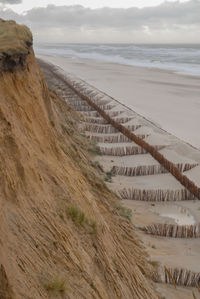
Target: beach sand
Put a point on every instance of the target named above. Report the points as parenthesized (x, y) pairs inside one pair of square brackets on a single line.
[(169, 100)]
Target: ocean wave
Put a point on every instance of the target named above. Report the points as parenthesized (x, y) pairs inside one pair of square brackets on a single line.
[(183, 59)]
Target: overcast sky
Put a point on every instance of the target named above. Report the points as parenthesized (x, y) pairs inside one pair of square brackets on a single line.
[(130, 21)]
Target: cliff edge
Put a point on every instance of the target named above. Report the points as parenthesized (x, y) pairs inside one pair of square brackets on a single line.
[(15, 43), (61, 232)]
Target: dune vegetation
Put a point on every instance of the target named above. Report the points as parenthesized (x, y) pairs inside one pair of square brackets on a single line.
[(14, 38)]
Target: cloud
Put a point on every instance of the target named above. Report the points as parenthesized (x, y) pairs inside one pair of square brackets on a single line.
[(166, 14), (10, 1), (168, 22)]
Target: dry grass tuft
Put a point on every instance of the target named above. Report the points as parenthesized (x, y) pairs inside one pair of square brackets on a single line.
[(108, 177), (155, 264), (80, 219), (56, 285), (123, 211), (77, 216)]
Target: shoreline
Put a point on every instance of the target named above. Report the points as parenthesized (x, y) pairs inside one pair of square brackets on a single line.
[(159, 69), (162, 67)]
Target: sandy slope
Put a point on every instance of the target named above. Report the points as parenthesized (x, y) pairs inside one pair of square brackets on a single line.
[(45, 172)]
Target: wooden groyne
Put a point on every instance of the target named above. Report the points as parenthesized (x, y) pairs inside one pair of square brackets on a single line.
[(122, 151), (156, 194), (86, 95), (105, 129), (181, 277), (173, 230), (119, 138), (147, 169)]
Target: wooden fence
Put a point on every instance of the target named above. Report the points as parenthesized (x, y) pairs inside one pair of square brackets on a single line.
[(81, 91)]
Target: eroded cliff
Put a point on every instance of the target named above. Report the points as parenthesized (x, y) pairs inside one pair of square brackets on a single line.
[(61, 233), (15, 44)]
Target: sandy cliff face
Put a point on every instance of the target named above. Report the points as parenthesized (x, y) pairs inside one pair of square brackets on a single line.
[(46, 178)]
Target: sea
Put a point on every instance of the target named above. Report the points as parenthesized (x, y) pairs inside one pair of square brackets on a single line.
[(180, 58)]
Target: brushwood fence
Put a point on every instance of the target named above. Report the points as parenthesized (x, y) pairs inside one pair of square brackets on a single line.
[(91, 113), (122, 151), (181, 277), (155, 195), (114, 113), (96, 120), (105, 129), (118, 138), (173, 230), (123, 120), (85, 94), (147, 169)]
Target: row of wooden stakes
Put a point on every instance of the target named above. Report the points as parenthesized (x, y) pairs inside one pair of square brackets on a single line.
[(156, 195), (173, 230), (117, 138), (182, 277), (147, 169), (106, 129), (80, 89)]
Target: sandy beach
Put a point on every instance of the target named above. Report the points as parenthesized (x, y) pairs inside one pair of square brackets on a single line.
[(169, 100)]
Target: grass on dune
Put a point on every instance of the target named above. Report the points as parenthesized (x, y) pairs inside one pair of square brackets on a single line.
[(14, 37)]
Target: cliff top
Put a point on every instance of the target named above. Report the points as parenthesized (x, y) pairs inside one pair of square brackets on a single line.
[(14, 38)]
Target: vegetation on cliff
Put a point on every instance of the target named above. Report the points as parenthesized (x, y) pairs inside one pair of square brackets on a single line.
[(14, 38), (15, 43)]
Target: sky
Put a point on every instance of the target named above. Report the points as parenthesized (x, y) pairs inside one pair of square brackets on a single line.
[(28, 4), (107, 21)]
